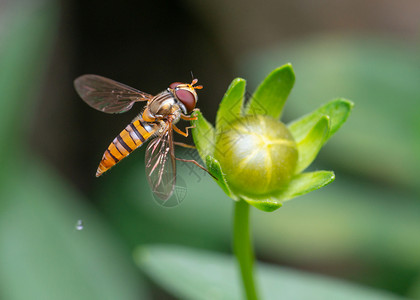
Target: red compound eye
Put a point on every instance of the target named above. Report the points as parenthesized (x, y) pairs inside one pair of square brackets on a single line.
[(187, 98), (174, 84)]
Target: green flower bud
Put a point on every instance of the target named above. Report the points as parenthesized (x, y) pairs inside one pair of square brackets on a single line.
[(258, 155), (254, 157)]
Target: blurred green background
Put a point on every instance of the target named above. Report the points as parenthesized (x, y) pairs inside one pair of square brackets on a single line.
[(363, 229)]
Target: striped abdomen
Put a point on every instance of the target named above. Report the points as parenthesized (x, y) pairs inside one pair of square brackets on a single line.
[(132, 137)]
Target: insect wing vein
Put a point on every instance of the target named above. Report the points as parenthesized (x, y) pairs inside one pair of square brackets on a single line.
[(160, 165), (107, 95)]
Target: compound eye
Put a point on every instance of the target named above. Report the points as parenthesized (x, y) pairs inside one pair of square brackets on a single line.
[(187, 98), (174, 84)]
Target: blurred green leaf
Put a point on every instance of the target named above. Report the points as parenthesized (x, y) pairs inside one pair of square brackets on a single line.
[(230, 108), (337, 110), (415, 290), (203, 135), (44, 256), (194, 274), (310, 144), (24, 47), (271, 94)]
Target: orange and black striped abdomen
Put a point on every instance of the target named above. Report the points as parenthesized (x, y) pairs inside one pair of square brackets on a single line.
[(132, 137)]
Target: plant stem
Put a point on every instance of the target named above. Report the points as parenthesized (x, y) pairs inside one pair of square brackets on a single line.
[(243, 249)]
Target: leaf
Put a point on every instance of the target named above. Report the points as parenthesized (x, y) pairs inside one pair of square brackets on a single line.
[(198, 274), (215, 169), (230, 108), (44, 256), (311, 143), (414, 292), (27, 34), (203, 135), (337, 110), (271, 94), (304, 183)]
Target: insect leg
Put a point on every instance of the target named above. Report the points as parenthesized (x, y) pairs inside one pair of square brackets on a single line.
[(185, 145), (189, 118), (180, 131)]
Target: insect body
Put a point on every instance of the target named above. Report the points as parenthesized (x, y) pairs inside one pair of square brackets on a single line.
[(158, 119), (132, 137)]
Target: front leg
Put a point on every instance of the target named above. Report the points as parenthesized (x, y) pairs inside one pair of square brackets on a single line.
[(189, 118), (180, 131)]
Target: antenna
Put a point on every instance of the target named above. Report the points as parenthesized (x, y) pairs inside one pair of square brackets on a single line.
[(194, 81)]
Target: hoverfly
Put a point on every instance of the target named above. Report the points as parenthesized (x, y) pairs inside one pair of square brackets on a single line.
[(157, 119)]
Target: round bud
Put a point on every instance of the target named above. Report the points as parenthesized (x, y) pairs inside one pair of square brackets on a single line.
[(187, 98), (258, 155)]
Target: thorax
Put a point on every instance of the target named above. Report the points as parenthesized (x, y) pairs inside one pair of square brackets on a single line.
[(163, 106)]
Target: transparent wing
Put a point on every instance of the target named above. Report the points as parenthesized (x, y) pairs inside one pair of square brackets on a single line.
[(108, 95), (160, 164)]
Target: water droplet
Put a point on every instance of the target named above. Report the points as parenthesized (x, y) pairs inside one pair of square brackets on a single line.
[(79, 225)]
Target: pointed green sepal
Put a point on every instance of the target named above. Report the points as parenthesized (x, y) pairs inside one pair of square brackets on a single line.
[(203, 135), (310, 144), (214, 168), (338, 110), (271, 94), (230, 109), (304, 183), (267, 205)]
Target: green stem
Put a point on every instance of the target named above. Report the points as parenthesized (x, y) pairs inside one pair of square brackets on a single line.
[(243, 249)]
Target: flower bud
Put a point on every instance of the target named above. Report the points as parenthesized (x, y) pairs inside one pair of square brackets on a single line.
[(258, 155)]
